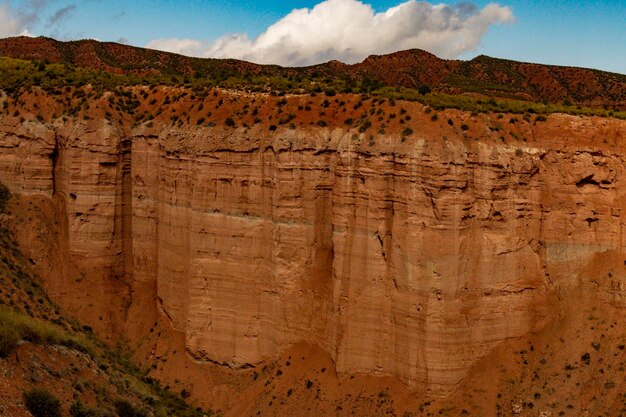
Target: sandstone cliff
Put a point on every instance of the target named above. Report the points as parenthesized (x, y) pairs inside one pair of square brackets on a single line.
[(410, 256)]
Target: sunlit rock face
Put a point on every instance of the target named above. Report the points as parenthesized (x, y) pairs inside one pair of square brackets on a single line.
[(411, 258)]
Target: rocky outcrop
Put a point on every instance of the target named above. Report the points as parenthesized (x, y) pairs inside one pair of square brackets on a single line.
[(411, 258)]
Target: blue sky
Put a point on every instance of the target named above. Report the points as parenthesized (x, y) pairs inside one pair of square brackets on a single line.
[(577, 33)]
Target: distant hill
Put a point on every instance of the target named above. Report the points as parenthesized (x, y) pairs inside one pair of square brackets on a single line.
[(414, 68)]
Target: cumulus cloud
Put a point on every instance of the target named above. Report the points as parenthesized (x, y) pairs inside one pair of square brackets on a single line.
[(350, 30)]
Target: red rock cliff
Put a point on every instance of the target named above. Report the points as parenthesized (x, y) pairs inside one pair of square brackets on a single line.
[(405, 257)]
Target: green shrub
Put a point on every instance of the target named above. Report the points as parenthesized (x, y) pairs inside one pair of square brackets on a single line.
[(41, 403), (364, 126), (423, 90), (126, 409), (369, 84), (78, 409), (586, 358)]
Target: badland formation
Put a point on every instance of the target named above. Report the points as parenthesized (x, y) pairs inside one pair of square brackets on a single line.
[(406, 236)]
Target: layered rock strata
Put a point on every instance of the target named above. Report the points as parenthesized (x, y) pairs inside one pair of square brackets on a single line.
[(410, 258)]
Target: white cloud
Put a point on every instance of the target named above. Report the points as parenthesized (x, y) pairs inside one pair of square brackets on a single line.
[(349, 31), (11, 22), (189, 47)]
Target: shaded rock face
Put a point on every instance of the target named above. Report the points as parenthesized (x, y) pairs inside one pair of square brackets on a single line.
[(406, 258)]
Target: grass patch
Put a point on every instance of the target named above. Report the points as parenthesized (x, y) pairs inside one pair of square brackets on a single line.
[(17, 326), (9, 338)]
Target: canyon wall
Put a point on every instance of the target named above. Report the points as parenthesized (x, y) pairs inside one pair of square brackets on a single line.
[(405, 257)]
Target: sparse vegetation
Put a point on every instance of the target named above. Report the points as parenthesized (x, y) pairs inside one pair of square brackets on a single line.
[(15, 324), (20, 75)]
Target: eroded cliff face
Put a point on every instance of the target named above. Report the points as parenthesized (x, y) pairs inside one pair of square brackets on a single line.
[(410, 257)]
